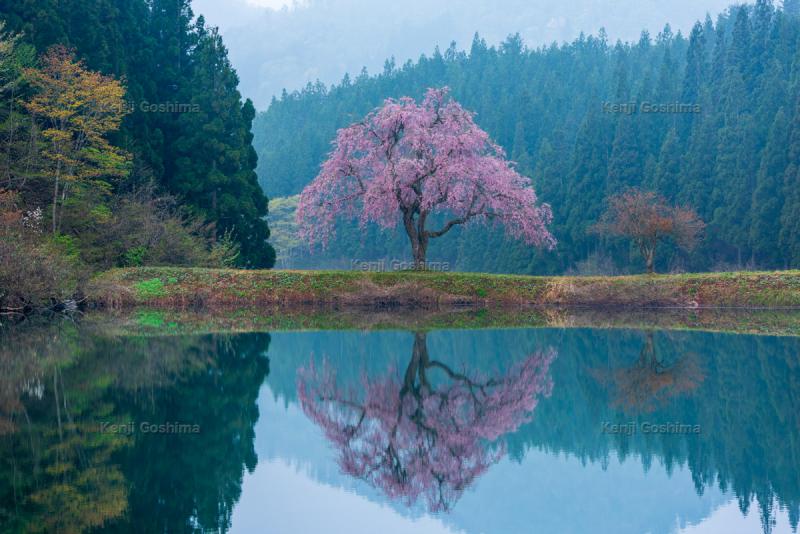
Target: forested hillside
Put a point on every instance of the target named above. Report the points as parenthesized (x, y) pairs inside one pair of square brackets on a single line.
[(710, 120), (323, 39), (186, 128)]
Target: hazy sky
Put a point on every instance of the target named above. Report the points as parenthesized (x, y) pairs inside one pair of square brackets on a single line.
[(272, 4), (277, 44)]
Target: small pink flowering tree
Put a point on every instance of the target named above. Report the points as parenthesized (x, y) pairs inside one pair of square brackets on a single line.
[(428, 431), (410, 163)]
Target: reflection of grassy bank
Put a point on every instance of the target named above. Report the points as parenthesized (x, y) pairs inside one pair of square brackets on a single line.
[(180, 287), (240, 320)]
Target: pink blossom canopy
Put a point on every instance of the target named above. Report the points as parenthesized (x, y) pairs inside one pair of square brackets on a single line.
[(406, 161)]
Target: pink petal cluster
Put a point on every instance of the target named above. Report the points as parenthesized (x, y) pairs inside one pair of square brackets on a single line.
[(414, 160), (413, 440)]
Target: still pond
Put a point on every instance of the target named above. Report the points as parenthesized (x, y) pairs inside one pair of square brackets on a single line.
[(426, 430)]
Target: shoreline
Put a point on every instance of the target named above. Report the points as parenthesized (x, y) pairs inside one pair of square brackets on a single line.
[(183, 288), (160, 322)]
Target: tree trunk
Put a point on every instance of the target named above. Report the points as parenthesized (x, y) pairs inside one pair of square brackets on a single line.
[(55, 197), (55, 204), (648, 251), (420, 251), (419, 239)]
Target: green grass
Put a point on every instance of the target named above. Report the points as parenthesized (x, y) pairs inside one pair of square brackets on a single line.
[(152, 288), (178, 287)]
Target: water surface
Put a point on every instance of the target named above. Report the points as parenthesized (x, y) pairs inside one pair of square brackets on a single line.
[(423, 430)]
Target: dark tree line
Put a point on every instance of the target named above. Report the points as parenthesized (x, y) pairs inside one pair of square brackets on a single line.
[(709, 121), (188, 129)]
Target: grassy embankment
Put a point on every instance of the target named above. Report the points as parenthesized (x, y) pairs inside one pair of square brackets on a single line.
[(180, 288)]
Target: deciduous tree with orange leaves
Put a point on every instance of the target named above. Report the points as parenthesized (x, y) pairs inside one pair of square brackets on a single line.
[(77, 108), (647, 219)]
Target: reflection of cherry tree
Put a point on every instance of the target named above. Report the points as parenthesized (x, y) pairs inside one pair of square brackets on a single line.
[(651, 381), (423, 433)]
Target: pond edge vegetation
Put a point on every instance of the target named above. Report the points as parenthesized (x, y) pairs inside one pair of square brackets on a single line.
[(179, 288), (147, 322)]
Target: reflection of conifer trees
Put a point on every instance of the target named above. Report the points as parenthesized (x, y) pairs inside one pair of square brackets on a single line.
[(179, 480), (742, 391), (58, 472), (425, 432)]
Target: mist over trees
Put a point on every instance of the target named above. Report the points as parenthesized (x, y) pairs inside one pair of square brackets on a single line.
[(709, 120), (324, 39)]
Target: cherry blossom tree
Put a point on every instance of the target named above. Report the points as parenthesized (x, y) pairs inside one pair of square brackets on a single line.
[(412, 434), (415, 164)]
